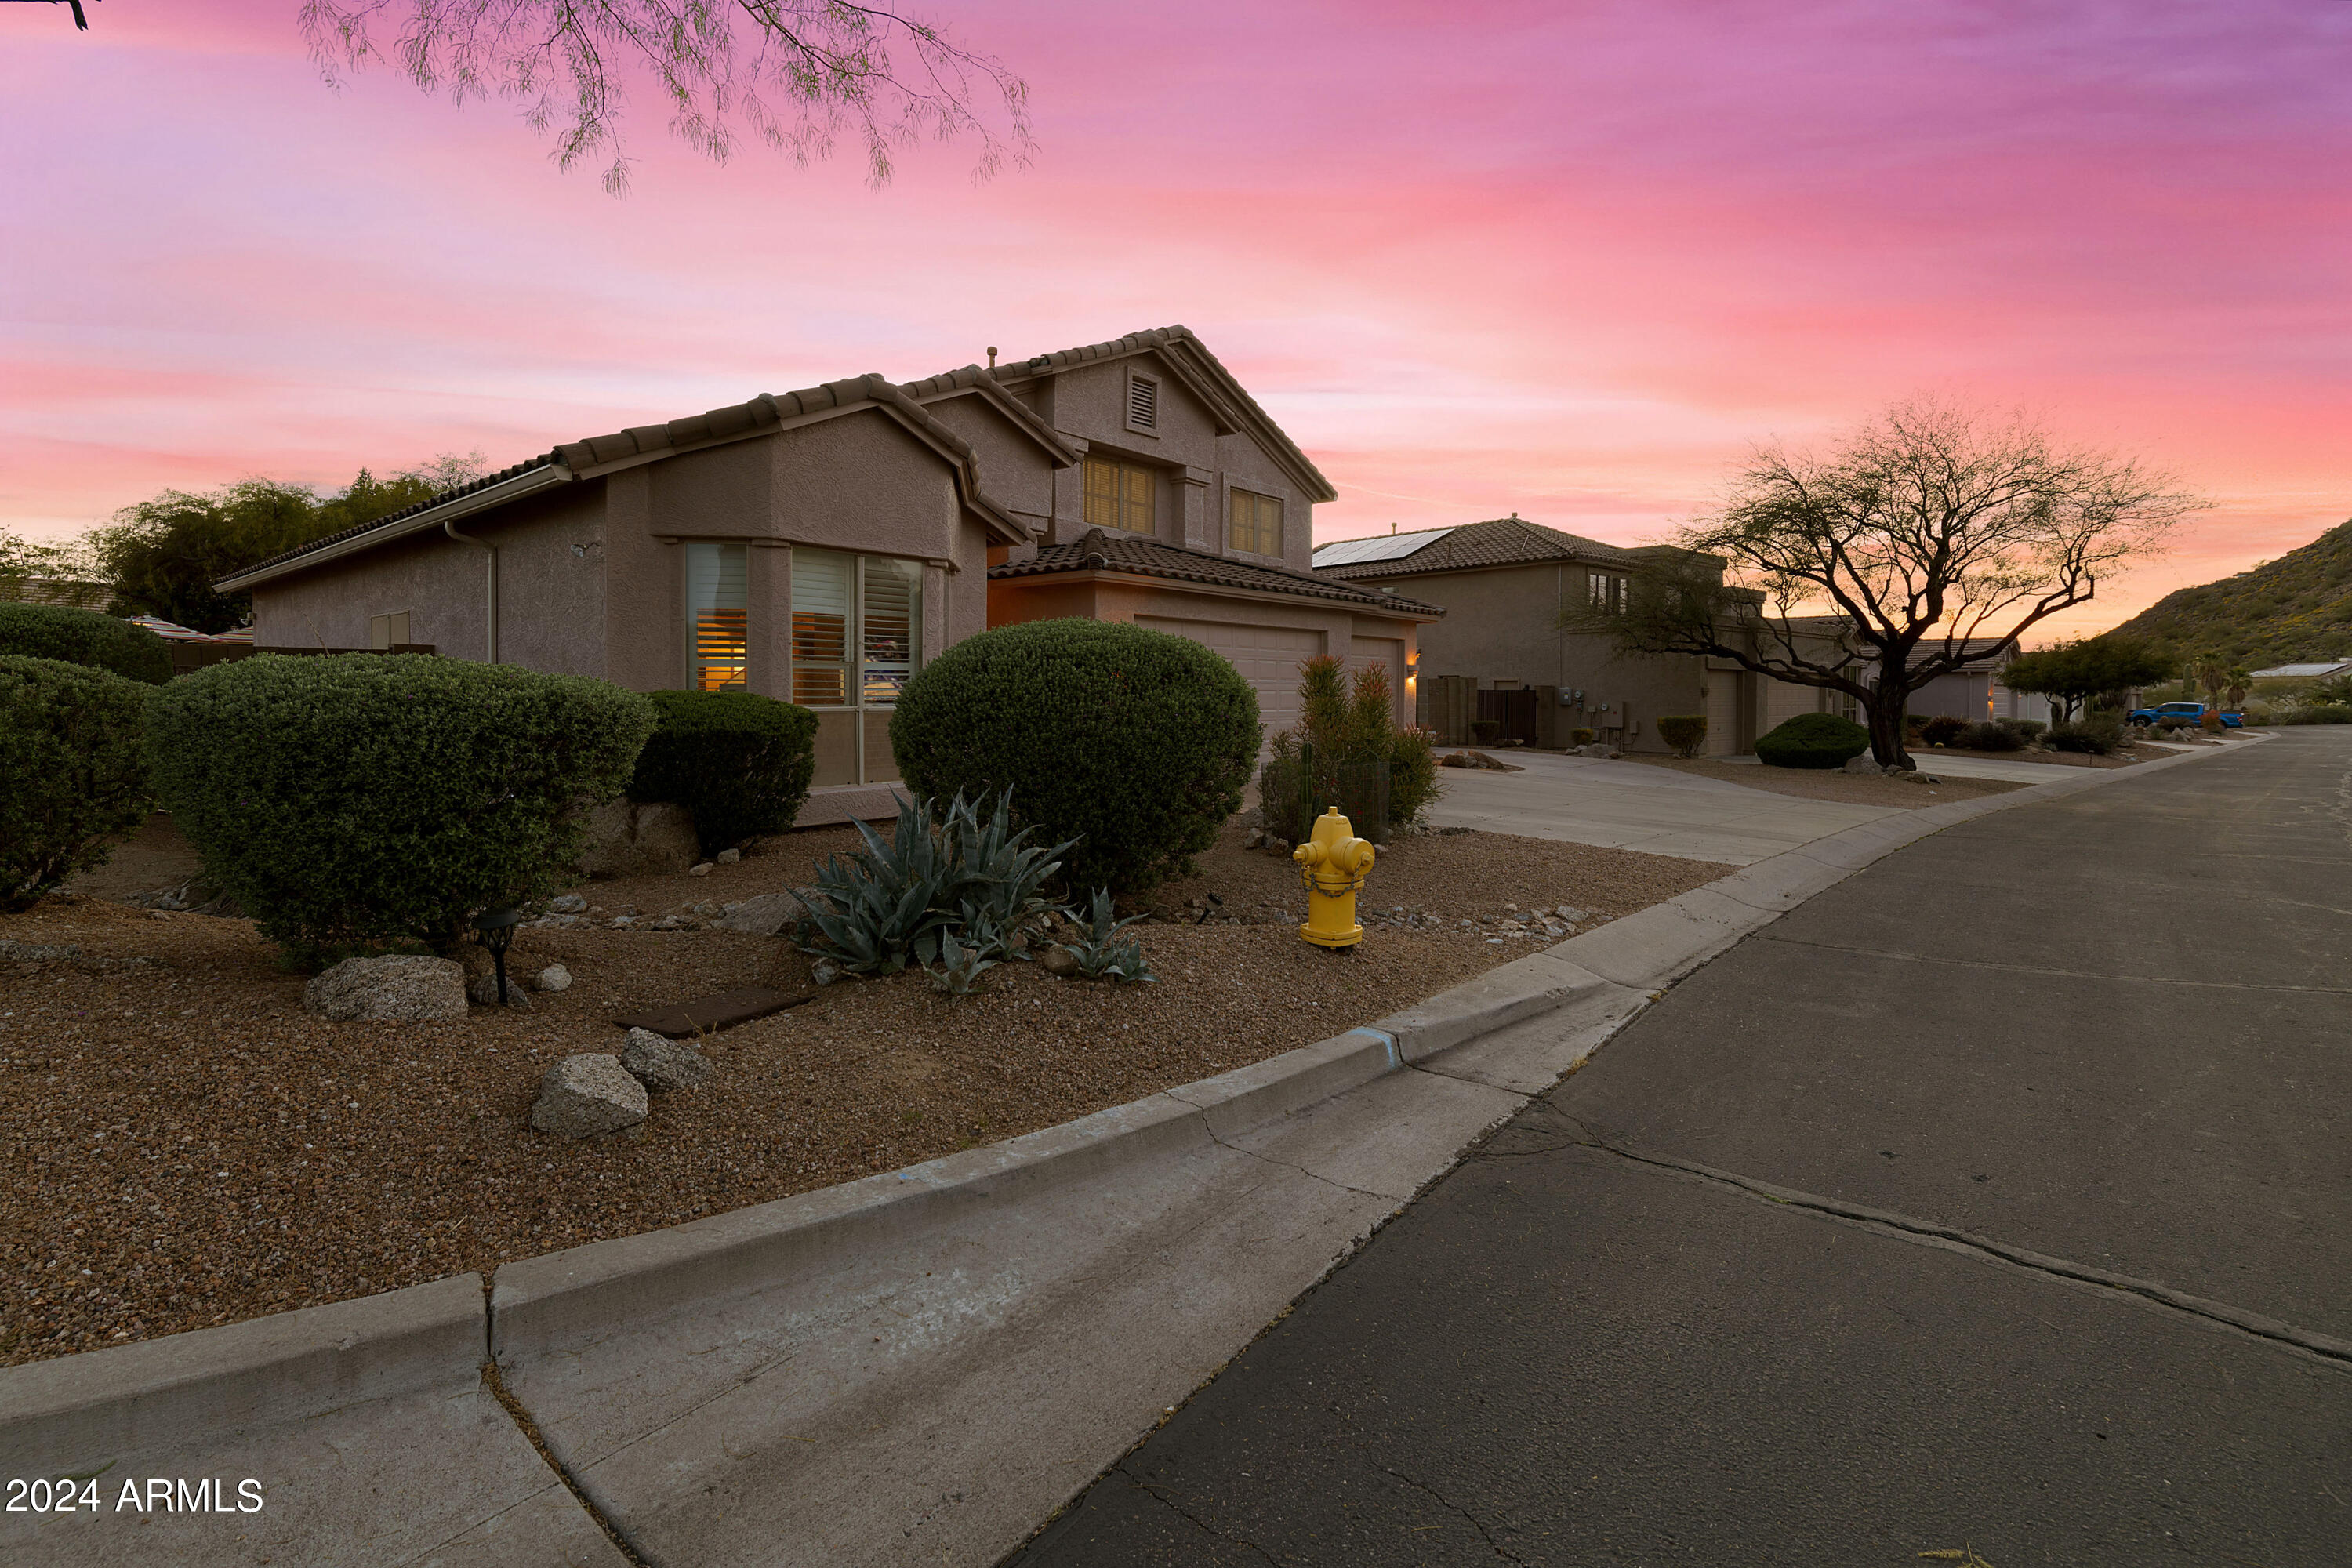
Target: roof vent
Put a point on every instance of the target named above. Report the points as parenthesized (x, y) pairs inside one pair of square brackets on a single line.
[(1142, 403)]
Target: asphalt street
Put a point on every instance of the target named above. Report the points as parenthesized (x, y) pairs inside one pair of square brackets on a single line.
[(1996, 1200)]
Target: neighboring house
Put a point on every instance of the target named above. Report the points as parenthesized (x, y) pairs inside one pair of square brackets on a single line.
[(55, 591), (1974, 691), (820, 545), (1505, 586), (2326, 670)]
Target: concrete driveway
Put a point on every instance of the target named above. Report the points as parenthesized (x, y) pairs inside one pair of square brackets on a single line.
[(1631, 805)]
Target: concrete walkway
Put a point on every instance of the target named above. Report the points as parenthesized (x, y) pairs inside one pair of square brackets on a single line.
[(1995, 1199), (1631, 805)]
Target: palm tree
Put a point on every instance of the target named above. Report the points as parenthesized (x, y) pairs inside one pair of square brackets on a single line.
[(2212, 673), (2241, 681)]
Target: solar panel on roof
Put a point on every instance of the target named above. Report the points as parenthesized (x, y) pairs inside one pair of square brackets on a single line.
[(1376, 547)]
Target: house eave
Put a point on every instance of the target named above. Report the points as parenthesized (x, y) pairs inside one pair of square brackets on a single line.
[(430, 520)]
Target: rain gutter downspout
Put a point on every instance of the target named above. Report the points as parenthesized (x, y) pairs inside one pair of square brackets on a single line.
[(450, 528)]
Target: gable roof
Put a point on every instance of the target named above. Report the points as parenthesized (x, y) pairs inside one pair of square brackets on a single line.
[(1204, 375), (596, 455), (972, 380), (1502, 542), (1141, 555)]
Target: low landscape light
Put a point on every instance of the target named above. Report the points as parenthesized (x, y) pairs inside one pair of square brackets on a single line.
[(494, 928)]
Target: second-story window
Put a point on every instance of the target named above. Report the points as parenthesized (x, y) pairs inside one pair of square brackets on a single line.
[(1254, 522), (1119, 495), (1606, 592)]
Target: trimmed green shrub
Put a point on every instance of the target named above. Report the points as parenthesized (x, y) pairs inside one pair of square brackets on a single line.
[(741, 764), (1685, 733), (1576, 737), (2029, 728), (69, 748), (1992, 737), (359, 800), (2091, 735), (1485, 731), (1414, 778), (84, 636), (1813, 740), (1135, 743), (1943, 730)]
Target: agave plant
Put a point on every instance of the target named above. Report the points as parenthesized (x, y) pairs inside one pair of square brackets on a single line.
[(946, 887), (1101, 951)]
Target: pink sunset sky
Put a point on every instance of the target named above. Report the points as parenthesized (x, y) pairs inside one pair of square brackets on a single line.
[(1563, 260)]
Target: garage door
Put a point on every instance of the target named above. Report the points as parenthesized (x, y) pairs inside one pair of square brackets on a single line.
[(1267, 657)]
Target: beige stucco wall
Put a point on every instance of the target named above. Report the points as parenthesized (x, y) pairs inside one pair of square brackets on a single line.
[(1301, 628), (1014, 471), (550, 588), (1502, 625)]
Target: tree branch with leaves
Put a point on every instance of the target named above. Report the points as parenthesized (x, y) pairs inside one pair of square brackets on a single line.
[(1929, 537), (798, 75)]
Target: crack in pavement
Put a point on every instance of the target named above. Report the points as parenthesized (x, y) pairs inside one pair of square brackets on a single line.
[(2325, 1347), (1202, 1526), (1289, 1165), (2056, 973), (1485, 1534)]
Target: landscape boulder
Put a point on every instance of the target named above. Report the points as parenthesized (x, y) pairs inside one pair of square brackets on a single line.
[(1060, 962), (1865, 763), (658, 1062), (629, 838), (555, 977), (583, 1095), (399, 988)]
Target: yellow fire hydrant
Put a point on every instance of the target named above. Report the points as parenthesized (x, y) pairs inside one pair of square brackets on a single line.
[(1332, 864)]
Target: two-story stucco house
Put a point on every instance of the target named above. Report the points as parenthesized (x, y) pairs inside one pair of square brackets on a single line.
[(820, 545)]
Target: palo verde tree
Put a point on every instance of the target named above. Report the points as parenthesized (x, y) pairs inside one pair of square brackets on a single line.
[(1929, 536), (2073, 673), (796, 74)]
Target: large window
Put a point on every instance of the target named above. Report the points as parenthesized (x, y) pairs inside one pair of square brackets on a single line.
[(1254, 522), (856, 639), (1606, 593), (718, 597), (1119, 495)]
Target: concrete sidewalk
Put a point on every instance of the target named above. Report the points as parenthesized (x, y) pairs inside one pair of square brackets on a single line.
[(1995, 1198), (1630, 806)]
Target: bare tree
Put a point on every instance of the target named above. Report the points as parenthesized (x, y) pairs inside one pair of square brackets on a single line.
[(1930, 536), (795, 73)]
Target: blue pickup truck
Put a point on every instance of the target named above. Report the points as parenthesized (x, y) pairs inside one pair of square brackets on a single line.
[(2193, 711)]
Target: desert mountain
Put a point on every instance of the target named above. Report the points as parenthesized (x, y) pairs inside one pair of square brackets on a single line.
[(2297, 607)]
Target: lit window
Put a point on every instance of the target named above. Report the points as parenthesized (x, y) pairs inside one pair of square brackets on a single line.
[(718, 598), (857, 641), (1254, 522), (1119, 495), (824, 585)]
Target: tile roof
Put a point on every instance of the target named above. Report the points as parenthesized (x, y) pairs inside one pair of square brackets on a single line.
[(1208, 379), (1503, 542), (1101, 551), (388, 520), (767, 411)]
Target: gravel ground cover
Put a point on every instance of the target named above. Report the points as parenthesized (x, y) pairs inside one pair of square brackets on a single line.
[(186, 1147), (1828, 784)]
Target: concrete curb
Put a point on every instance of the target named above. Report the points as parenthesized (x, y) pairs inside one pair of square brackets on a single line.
[(72, 1414), (190, 1394)]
